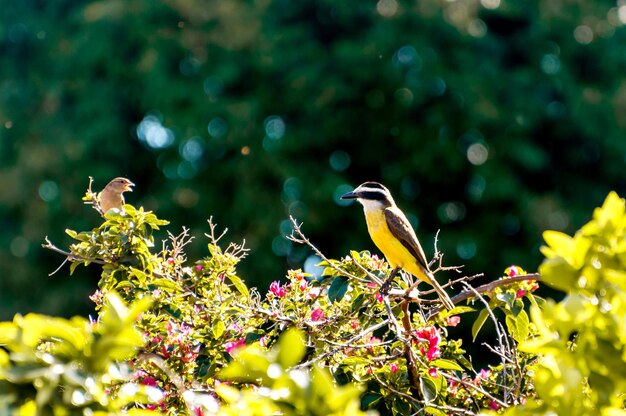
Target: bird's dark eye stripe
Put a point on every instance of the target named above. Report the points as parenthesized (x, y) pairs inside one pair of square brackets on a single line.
[(372, 195)]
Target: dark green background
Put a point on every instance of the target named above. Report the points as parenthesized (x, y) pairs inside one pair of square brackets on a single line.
[(271, 108)]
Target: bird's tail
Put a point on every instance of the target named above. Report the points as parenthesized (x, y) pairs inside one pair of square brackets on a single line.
[(443, 296)]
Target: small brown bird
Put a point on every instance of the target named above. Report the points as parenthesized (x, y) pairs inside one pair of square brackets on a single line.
[(112, 196)]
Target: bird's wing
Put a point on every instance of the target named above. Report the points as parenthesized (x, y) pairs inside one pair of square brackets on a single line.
[(401, 228)]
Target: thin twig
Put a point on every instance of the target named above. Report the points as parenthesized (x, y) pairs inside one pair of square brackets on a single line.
[(486, 288), (300, 238)]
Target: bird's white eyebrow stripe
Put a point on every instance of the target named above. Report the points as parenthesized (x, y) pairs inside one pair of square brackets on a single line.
[(375, 190)]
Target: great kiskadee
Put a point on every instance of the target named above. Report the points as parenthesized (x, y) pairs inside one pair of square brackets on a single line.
[(392, 233)]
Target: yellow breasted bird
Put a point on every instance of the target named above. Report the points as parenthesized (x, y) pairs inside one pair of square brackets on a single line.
[(392, 233), (112, 196)]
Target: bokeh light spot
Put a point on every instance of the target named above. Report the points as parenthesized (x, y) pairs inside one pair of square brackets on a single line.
[(245, 150), (19, 246), (213, 86), (409, 188), (451, 211), (437, 87), (151, 132), (274, 127), (475, 188), (490, 4), (583, 34), (339, 160), (404, 96), (217, 127), (192, 149), (477, 153), (550, 64), (477, 28), (311, 266), (281, 246), (466, 249), (406, 56), (621, 14), (292, 189), (48, 191), (340, 190), (186, 170), (387, 8)]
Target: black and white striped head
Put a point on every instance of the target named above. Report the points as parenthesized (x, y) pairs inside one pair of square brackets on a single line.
[(372, 195)]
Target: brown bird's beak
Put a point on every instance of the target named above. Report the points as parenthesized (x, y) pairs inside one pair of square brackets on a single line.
[(128, 186)]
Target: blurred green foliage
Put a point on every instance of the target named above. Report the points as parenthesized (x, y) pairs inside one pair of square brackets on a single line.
[(490, 120)]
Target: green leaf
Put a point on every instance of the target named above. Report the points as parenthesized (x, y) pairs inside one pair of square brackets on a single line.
[(239, 284), (446, 365), (428, 389), (291, 348), (479, 322), (357, 302), (338, 289), (434, 411)]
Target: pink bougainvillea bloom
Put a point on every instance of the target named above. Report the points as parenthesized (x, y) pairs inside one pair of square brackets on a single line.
[(372, 285), (493, 405), (354, 324), (149, 381), (453, 320), (432, 336), (263, 341), (314, 292), (303, 284), (432, 371), (513, 271), (198, 268), (484, 374), (277, 290), (231, 346), (520, 293), (393, 367), (379, 298), (318, 315)]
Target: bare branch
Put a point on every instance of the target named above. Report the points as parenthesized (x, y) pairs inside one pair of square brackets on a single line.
[(297, 236)]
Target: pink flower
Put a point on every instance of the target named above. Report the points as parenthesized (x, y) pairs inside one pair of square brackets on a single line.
[(453, 387), (197, 411), (277, 290), (493, 405), (432, 336), (484, 374), (149, 381), (231, 346), (235, 327), (453, 320), (318, 315), (379, 298), (198, 268), (432, 371), (354, 324), (393, 367), (513, 271), (263, 341), (302, 285), (520, 293), (314, 292)]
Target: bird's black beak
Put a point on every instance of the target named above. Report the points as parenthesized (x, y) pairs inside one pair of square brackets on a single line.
[(349, 195)]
